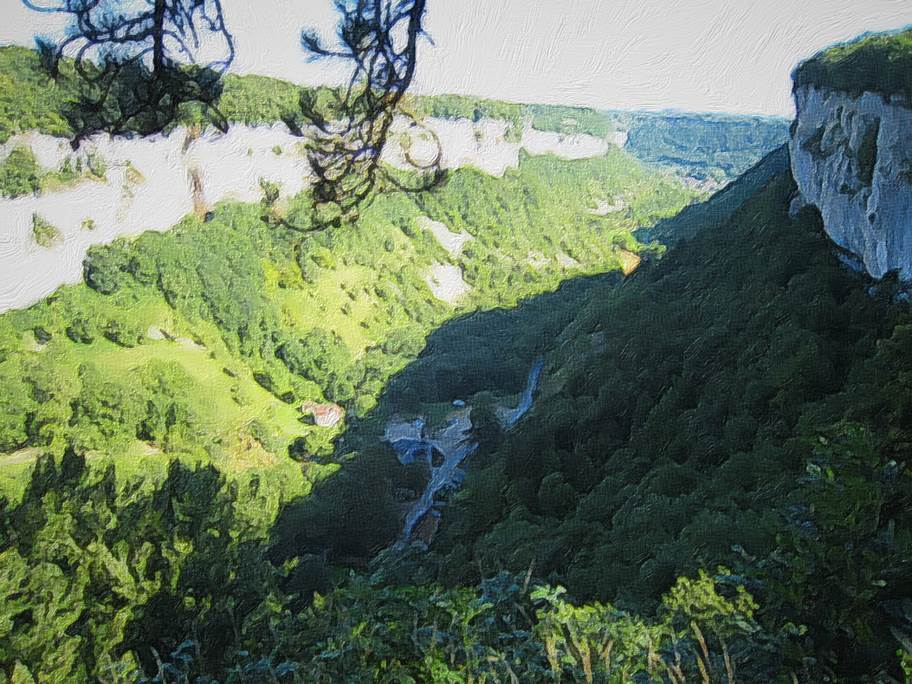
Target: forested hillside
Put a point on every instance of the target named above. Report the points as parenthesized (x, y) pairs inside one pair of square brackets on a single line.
[(759, 425), (740, 402), (246, 304), (710, 483), (167, 409)]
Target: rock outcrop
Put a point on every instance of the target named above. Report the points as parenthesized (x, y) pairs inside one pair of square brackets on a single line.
[(151, 183), (851, 156)]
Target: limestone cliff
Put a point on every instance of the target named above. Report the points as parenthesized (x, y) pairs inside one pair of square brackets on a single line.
[(151, 183), (851, 156)]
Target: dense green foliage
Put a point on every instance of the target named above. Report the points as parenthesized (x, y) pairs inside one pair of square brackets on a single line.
[(118, 574), (466, 107), (45, 234), (457, 359), (877, 63), (760, 425), (720, 207), (20, 173), (197, 345), (29, 99), (568, 120), (92, 569), (742, 401)]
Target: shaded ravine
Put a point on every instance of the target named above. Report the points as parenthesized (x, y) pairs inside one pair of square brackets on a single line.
[(454, 444)]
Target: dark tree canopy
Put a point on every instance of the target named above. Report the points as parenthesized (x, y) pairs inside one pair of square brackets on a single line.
[(379, 39), (139, 62)]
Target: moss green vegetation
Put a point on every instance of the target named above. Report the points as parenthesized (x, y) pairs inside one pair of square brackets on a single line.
[(741, 401), (187, 354), (571, 120), (91, 566), (567, 120), (111, 575), (29, 100), (20, 173), (259, 100), (466, 107), (878, 63), (741, 404)]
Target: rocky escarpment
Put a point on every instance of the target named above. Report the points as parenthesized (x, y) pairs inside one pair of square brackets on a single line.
[(151, 183), (851, 156)]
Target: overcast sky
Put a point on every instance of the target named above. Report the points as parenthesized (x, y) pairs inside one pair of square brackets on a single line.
[(698, 55)]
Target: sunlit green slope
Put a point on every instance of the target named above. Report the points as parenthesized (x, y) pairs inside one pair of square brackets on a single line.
[(207, 339)]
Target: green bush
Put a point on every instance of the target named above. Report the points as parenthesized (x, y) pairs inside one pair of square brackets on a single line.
[(29, 98), (97, 166), (717, 407), (878, 63), (44, 232), (20, 173)]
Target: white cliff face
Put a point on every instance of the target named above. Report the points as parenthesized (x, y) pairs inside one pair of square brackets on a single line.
[(574, 146), (852, 158), (489, 144), (152, 183)]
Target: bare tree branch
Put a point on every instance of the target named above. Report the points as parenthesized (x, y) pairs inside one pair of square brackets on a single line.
[(138, 63), (379, 39)]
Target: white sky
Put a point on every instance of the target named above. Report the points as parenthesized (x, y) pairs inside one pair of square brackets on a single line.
[(696, 55)]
